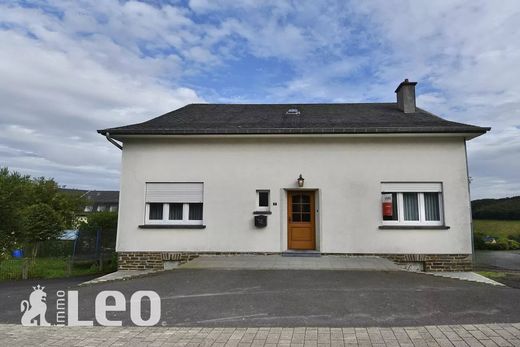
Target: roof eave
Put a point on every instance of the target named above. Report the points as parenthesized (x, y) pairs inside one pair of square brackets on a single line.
[(468, 135)]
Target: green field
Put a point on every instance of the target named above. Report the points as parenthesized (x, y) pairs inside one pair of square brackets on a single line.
[(497, 228)]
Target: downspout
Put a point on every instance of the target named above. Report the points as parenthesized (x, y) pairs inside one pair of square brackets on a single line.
[(112, 141), (470, 209)]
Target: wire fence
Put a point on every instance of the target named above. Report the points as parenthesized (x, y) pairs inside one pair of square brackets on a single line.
[(87, 254)]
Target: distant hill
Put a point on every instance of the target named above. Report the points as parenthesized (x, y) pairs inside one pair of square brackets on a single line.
[(506, 208)]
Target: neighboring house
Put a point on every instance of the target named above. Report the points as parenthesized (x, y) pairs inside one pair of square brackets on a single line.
[(383, 179), (97, 201), (102, 200)]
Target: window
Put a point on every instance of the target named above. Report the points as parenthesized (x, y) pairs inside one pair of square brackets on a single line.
[(101, 208), (88, 208), (156, 211), (174, 203), (412, 204), (262, 200), (113, 208), (176, 211)]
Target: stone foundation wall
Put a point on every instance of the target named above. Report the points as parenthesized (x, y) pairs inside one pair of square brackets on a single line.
[(430, 262), (435, 262), (139, 260)]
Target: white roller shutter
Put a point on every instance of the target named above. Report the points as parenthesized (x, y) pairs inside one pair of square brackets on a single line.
[(174, 192), (402, 187)]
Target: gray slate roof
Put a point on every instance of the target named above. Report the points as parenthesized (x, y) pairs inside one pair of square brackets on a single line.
[(207, 119), (95, 196)]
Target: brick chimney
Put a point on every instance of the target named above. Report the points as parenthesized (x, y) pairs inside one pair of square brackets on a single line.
[(406, 96)]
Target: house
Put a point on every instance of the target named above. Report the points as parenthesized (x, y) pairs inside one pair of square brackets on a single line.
[(98, 200), (101, 200), (387, 179)]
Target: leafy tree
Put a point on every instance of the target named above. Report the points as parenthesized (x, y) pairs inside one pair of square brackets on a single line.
[(14, 197), (32, 210), (503, 209), (40, 223)]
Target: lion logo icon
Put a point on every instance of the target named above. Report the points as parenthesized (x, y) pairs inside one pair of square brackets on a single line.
[(34, 310)]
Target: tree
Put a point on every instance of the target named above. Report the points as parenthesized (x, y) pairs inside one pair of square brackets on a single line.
[(27, 204), (40, 223), (14, 197)]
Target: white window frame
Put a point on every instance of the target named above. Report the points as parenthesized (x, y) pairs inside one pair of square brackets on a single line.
[(166, 206), (422, 210), (263, 208), (166, 215)]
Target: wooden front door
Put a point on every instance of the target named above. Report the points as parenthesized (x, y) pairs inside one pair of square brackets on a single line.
[(300, 220)]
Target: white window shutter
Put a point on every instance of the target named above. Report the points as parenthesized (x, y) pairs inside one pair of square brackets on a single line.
[(174, 192), (405, 187)]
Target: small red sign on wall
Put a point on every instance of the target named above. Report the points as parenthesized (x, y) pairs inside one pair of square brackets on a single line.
[(387, 205)]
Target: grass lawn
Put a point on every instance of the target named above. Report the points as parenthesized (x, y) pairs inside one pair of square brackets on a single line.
[(497, 228), (46, 268), (494, 275), (510, 279)]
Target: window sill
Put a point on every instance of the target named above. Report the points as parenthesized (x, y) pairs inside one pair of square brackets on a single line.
[(262, 212), (416, 227), (172, 226)]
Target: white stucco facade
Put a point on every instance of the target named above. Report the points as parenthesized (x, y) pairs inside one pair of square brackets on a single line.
[(345, 172)]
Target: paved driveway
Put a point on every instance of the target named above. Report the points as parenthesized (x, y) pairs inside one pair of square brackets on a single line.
[(293, 298)]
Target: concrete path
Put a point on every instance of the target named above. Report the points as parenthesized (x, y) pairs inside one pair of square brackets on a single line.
[(119, 275), (442, 335), (467, 276), (278, 262)]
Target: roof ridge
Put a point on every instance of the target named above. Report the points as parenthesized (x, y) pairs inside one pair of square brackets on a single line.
[(289, 104)]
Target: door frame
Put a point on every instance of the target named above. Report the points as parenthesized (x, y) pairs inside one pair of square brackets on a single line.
[(285, 216)]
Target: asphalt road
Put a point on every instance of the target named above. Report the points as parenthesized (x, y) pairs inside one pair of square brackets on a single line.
[(291, 298), (498, 260)]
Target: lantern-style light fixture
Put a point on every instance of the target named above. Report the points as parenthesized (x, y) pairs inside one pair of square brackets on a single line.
[(300, 181)]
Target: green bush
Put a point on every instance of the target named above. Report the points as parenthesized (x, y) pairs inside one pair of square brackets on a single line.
[(514, 237), (478, 241), (513, 244), (501, 245)]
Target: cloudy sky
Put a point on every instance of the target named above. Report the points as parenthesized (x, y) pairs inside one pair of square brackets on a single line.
[(68, 68)]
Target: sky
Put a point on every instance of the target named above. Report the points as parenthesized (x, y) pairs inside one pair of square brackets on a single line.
[(68, 68)]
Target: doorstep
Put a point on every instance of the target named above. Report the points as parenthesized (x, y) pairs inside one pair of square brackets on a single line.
[(300, 253), (279, 262)]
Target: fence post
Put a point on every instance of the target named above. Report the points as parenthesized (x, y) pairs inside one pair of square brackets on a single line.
[(25, 269), (101, 262), (69, 266)]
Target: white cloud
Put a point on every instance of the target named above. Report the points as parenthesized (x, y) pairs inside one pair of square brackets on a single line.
[(58, 88)]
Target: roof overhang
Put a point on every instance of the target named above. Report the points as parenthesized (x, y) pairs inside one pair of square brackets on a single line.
[(465, 135)]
